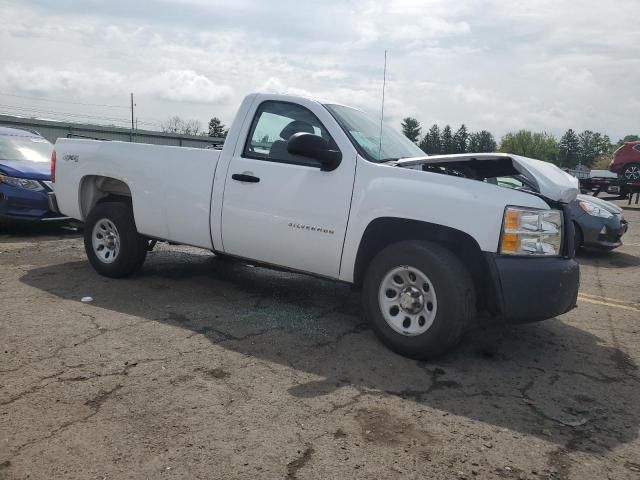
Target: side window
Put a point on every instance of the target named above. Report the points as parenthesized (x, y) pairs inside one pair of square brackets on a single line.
[(273, 125), (637, 147)]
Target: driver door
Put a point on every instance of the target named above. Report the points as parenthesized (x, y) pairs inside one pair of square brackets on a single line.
[(280, 208)]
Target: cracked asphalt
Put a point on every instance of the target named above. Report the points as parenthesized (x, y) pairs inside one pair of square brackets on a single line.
[(198, 367)]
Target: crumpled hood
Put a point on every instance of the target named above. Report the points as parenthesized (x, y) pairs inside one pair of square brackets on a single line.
[(550, 181), (26, 169), (608, 206)]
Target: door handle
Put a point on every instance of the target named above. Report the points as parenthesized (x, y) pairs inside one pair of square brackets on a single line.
[(244, 177)]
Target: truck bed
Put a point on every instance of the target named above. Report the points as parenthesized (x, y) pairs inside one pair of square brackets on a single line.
[(171, 185)]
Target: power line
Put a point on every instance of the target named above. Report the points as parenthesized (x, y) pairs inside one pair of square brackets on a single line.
[(64, 116), (69, 114), (42, 99)]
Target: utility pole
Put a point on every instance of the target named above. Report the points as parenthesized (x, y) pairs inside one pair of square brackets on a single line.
[(132, 121)]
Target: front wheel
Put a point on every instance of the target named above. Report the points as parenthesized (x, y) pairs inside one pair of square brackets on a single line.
[(113, 245), (418, 297)]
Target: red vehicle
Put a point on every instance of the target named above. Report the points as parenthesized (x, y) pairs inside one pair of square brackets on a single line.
[(626, 161)]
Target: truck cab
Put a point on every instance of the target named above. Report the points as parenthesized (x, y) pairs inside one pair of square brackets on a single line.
[(320, 188)]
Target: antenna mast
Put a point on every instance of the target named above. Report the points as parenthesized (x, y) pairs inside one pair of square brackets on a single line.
[(384, 84)]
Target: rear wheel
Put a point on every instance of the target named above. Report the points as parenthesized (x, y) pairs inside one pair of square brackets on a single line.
[(631, 172), (418, 298), (113, 245)]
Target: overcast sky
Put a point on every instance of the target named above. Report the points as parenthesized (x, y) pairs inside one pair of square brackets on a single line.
[(496, 65)]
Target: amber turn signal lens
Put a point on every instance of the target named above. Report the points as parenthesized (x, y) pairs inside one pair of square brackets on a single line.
[(510, 243), (511, 220)]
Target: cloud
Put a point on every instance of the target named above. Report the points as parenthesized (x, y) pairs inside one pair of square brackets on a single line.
[(47, 80), (492, 65), (189, 86)]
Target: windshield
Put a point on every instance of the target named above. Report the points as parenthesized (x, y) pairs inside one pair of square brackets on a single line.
[(364, 130), (32, 149)]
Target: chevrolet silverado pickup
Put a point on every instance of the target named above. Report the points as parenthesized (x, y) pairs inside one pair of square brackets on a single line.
[(434, 242)]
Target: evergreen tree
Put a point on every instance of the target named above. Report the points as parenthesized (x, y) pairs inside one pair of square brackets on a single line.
[(482, 142), (587, 148), (411, 129), (460, 140), (216, 128), (446, 140), (431, 142), (569, 149), (425, 143), (603, 144)]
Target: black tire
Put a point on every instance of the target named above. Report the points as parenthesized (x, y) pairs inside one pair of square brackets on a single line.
[(133, 246), (578, 238), (453, 287)]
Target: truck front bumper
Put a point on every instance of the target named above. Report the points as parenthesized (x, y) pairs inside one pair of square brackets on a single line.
[(533, 289)]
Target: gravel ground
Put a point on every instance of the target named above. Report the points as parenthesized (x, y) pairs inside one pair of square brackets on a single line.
[(203, 368)]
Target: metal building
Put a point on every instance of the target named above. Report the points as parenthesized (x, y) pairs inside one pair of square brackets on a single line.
[(51, 130)]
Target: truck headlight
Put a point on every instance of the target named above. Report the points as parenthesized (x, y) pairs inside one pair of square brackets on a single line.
[(21, 183), (593, 209), (531, 232)]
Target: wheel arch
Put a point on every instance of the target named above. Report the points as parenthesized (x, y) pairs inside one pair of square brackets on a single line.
[(385, 231), (95, 189)]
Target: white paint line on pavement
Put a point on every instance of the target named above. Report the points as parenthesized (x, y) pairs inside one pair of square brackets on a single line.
[(608, 304)]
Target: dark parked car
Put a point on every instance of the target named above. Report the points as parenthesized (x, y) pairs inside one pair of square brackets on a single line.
[(25, 177), (598, 223)]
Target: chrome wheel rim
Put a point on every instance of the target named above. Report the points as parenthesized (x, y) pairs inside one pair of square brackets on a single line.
[(632, 172), (407, 300), (105, 240)]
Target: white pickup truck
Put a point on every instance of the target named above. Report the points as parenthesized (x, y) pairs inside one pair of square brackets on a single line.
[(320, 188)]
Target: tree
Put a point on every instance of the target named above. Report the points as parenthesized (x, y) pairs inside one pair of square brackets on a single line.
[(568, 149), (460, 140), (626, 138), (482, 142), (431, 142), (192, 127), (172, 125), (602, 144), (538, 145), (411, 129), (446, 140), (588, 145), (216, 128), (601, 162), (175, 124)]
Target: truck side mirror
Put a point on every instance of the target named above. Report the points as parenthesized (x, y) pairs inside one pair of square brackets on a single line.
[(316, 147)]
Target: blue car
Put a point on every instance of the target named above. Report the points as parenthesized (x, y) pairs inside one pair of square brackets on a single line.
[(25, 177)]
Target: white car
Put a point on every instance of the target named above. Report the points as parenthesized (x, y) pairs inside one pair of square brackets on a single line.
[(320, 188)]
